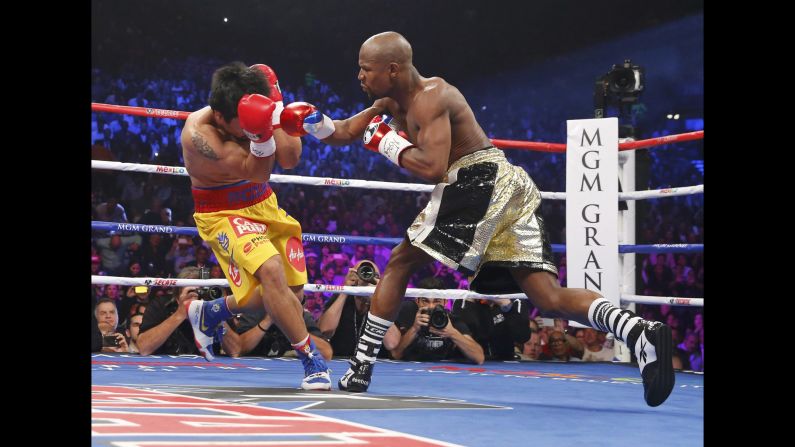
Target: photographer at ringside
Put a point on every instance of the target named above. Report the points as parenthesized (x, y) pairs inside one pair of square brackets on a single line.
[(428, 332), (165, 328), (343, 318), (498, 325)]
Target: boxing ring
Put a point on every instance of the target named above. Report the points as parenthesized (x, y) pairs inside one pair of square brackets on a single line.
[(170, 400)]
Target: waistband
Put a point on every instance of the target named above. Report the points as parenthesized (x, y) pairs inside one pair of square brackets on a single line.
[(489, 153), (230, 197)]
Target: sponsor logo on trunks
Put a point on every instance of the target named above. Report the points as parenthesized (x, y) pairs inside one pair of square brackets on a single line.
[(223, 241), (255, 242), (243, 226), (295, 254), (234, 272)]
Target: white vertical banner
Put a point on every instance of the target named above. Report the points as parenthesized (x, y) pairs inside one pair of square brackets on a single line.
[(592, 207)]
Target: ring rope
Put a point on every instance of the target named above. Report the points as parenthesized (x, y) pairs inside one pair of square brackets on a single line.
[(371, 240), (369, 184), (503, 144), (453, 294)]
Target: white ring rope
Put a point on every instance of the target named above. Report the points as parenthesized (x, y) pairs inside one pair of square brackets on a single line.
[(452, 294), (352, 183)]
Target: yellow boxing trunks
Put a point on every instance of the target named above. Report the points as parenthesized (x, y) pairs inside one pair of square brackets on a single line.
[(244, 226)]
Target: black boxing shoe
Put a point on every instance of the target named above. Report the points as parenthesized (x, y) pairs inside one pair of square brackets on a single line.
[(651, 342), (357, 378)]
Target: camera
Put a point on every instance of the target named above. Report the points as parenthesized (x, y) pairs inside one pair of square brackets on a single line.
[(366, 272), (208, 293), (110, 340), (438, 314), (625, 81), (620, 87)]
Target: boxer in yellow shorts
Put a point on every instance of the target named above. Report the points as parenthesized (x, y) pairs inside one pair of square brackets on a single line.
[(230, 148), (245, 227)]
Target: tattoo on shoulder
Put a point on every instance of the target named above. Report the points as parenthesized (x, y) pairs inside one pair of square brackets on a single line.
[(201, 145)]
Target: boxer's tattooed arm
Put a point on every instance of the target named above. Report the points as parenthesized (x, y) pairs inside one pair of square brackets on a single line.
[(201, 145)]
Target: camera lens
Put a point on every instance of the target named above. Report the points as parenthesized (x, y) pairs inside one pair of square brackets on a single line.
[(366, 272), (439, 317), (623, 80)]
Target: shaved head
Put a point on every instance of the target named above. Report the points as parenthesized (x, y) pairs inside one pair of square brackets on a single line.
[(386, 48)]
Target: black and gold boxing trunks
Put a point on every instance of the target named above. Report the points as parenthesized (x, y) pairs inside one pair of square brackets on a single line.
[(481, 220)]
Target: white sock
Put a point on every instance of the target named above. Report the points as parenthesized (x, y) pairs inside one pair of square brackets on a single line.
[(373, 336), (606, 317)]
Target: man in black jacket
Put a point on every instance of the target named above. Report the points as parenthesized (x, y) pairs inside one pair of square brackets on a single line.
[(496, 325)]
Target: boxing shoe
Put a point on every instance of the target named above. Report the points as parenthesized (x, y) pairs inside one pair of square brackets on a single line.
[(357, 378), (651, 343)]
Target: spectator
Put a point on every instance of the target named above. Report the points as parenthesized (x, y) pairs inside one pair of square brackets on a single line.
[(107, 318), (181, 253), (594, 350), (111, 211), (420, 342), (113, 251), (690, 353), (312, 267), (132, 332), (133, 298), (153, 256), (496, 325), (560, 347), (202, 258), (531, 349)]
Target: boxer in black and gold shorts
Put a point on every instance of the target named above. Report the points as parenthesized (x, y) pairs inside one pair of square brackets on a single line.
[(482, 221), (482, 217)]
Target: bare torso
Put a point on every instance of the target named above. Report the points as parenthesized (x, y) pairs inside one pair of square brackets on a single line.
[(466, 134), (202, 164)]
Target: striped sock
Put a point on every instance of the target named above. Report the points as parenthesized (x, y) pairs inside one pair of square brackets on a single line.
[(370, 342), (606, 317)]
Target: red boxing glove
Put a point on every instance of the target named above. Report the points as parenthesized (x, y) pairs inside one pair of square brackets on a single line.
[(255, 113), (276, 91), (379, 137), (301, 118), (273, 81)]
